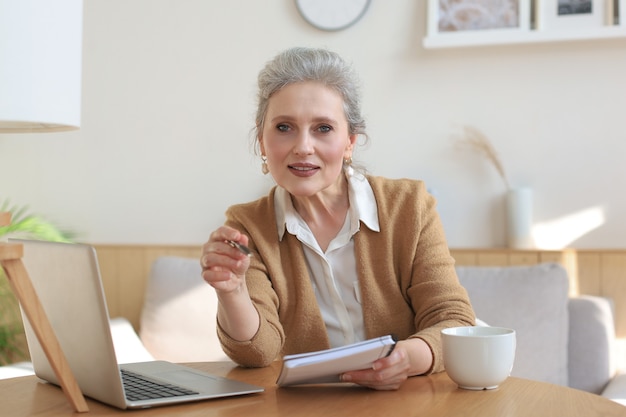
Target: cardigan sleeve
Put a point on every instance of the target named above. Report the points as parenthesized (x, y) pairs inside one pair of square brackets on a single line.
[(266, 345), (437, 297)]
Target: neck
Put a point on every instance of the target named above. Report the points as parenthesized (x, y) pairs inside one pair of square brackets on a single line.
[(325, 212)]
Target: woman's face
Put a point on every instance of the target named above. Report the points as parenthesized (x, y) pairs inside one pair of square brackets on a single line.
[(305, 138)]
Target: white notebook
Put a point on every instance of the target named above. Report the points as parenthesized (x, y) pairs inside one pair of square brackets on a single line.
[(325, 366)]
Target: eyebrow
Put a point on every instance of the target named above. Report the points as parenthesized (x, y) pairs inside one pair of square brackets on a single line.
[(321, 119)]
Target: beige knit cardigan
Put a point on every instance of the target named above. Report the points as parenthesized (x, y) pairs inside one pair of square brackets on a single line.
[(409, 287)]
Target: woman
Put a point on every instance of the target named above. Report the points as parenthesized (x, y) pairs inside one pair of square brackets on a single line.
[(338, 256)]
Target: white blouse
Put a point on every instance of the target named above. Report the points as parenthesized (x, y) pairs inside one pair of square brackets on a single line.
[(333, 273)]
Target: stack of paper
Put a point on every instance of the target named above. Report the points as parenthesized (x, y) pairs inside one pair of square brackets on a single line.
[(326, 365)]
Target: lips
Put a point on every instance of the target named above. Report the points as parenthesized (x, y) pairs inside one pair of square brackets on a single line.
[(303, 170)]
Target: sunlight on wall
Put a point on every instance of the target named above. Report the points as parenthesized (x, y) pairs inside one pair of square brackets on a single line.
[(559, 233)]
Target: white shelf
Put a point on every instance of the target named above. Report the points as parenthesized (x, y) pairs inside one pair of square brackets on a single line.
[(485, 38)]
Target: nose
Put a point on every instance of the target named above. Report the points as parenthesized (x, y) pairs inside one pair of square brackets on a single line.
[(304, 144)]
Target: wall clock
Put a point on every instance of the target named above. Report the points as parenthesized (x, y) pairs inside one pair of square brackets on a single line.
[(332, 14)]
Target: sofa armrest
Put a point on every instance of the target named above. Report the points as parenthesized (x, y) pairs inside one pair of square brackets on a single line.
[(616, 389), (591, 343), (16, 369), (128, 346)]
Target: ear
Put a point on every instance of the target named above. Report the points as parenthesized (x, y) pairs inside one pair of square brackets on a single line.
[(261, 144), (350, 146)]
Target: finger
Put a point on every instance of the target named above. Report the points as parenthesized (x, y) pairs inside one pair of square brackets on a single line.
[(224, 233), (377, 385), (221, 254), (399, 358), (216, 274), (386, 373), (241, 248), (375, 380), (226, 243), (236, 263)]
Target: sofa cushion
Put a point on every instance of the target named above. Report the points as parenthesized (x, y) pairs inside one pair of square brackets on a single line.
[(591, 365), (178, 319), (532, 300)]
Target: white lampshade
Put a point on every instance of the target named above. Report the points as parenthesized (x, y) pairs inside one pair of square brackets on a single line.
[(40, 65)]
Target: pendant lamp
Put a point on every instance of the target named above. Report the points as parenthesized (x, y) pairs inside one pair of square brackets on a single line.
[(40, 65)]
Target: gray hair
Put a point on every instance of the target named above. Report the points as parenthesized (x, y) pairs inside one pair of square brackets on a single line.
[(307, 64)]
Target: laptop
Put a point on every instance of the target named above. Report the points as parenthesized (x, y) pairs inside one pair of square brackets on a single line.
[(67, 280)]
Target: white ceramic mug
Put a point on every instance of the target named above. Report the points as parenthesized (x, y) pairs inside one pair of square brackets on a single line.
[(477, 357)]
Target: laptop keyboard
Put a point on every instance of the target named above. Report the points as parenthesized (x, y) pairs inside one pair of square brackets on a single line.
[(139, 388)]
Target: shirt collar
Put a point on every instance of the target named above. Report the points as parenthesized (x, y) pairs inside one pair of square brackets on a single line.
[(362, 206)]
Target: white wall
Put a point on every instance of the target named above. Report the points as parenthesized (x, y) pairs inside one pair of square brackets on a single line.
[(169, 100)]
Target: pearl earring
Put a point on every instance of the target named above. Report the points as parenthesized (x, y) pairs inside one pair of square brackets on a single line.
[(264, 168)]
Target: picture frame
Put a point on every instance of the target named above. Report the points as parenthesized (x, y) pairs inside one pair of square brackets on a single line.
[(563, 15), (619, 14), (477, 19)]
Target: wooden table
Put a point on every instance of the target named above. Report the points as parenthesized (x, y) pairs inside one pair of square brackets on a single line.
[(432, 396)]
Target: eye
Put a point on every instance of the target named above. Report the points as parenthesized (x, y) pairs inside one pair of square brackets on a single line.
[(325, 128), (282, 127)]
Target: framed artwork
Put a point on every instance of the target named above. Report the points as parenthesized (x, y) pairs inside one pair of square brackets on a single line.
[(477, 18), (555, 15)]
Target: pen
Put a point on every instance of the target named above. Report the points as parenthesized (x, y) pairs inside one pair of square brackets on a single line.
[(243, 249)]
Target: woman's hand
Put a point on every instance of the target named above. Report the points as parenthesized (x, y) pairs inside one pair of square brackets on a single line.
[(224, 267), (409, 357)]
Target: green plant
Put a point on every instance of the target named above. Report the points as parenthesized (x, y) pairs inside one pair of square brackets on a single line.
[(23, 225), (27, 225), (11, 328)]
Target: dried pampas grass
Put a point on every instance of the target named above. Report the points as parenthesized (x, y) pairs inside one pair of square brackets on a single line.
[(475, 140)]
